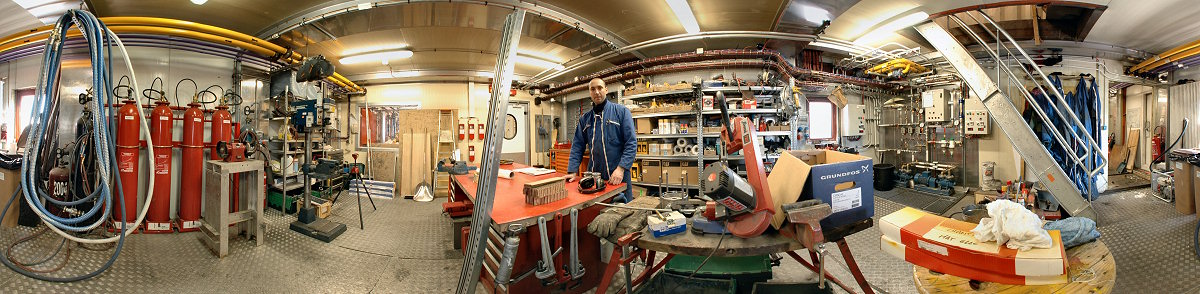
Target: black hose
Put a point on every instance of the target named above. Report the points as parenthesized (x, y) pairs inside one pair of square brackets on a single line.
[(195, 87), (161, 94), (1182, 130)]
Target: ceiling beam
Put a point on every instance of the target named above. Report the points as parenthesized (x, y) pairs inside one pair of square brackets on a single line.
[(1089, 21)]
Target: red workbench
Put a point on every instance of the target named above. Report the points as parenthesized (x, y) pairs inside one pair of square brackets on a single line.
[(509, 208)]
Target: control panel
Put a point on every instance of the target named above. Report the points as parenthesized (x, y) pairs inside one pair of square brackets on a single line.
[(975, 117), (935, 105), (853, 123)]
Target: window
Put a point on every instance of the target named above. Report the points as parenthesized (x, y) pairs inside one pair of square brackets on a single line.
[(821, 120), (24, 108)]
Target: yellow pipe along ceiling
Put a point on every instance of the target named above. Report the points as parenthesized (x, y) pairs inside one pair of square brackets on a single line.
[(179, 28)]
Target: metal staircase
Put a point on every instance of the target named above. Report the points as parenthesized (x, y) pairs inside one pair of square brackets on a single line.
[(1017, 69)]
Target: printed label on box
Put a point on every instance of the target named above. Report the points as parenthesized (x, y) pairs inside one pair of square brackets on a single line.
[(932, 248), (846, 200)]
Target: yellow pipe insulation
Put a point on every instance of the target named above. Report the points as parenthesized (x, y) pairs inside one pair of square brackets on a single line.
[(178, 28)]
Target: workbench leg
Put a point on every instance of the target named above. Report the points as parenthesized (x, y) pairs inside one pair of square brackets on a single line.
[(854, 270), (260, 197), (614, 263), (814, 269), (223, 219)]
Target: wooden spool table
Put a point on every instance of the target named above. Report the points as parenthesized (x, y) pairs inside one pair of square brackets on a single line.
[(1092, 257)]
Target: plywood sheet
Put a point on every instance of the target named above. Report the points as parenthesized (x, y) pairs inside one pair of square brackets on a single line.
[(382, 164), (1131, 140)]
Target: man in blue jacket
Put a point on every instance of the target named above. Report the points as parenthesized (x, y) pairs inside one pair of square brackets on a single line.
[(607, 133)]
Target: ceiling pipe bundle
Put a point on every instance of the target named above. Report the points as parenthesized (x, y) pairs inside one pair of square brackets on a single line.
[(179, 28), (1158, 62), (651, 66), (155, 41)]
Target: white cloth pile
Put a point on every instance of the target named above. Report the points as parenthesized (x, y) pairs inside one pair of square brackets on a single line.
[(1012, 225)]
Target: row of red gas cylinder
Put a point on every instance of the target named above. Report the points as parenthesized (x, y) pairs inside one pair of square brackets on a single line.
[(158, 218)]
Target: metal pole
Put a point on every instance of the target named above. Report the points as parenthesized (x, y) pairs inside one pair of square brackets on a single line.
[(486, 190)]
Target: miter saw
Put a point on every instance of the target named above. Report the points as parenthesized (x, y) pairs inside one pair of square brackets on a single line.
[(745, 205)]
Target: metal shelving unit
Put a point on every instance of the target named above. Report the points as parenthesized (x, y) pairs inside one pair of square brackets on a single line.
[(698, 115)]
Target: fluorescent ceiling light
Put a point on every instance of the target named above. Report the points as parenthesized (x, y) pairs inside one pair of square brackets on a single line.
[(886, 30), (199, 2), (683, 12), (814, 14), (381, 56), (369, 49), (538, 62)]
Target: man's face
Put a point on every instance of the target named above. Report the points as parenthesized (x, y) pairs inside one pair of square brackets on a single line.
[(597, 90)]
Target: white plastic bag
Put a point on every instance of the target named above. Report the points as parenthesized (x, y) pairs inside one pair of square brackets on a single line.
[(1012, 225)]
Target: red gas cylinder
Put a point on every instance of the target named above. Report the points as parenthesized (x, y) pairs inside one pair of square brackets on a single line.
[(158, 219), (222, 131), (128, 157), (190, 168)]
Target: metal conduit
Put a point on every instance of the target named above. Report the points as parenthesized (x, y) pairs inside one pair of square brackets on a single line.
[(639, 68)]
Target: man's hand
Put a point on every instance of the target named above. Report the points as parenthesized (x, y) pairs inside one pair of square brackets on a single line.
[(617, 176), (570, 178)]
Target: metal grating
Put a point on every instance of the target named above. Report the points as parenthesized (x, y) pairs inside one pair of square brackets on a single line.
[(406, 248)]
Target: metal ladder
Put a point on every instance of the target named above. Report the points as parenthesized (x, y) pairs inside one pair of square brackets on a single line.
[(445, 147), (1008, 55)]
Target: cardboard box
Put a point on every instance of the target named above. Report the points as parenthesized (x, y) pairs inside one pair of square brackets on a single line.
[(1195, 180), (672, 170), (9, 183), (691, 173), (842, 180), (932, 262), (1185, 198), (652, 149), (644, 125), (951, 240), (651, 171)]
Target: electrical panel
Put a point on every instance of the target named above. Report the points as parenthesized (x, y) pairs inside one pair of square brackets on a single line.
[(935, 105), (975, 117), (853, 123)]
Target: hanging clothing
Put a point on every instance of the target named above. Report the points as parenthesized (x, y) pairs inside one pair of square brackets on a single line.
[(614, 145)]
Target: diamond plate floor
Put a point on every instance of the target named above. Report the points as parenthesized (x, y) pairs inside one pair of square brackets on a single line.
[(405, 248)]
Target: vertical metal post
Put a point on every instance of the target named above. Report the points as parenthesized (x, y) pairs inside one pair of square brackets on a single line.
[(481, 217)]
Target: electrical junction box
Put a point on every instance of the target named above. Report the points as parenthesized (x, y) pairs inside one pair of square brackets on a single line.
[(935, 105), (975, 117), (853, 123)]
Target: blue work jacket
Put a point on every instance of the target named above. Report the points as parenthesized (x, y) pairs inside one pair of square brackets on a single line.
[(614, 146)]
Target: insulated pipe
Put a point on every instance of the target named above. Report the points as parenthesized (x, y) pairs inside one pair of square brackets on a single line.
[(1187, 50), (172, 27)]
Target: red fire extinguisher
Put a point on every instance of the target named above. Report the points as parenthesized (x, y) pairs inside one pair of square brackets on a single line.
[(481, 132), (190, 168), (471, 153), (158, 219), (471, 131), (128, 157), (1156, 143), (462, 132)]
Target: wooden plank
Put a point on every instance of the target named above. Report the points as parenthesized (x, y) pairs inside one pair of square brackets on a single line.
[(1132, 142)]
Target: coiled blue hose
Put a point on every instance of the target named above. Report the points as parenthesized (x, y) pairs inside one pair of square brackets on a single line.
[(99, 45)]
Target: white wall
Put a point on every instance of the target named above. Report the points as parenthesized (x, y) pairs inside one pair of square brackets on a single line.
[(470, 99)]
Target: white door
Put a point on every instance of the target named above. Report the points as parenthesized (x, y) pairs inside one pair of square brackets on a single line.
[(516, 133)]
